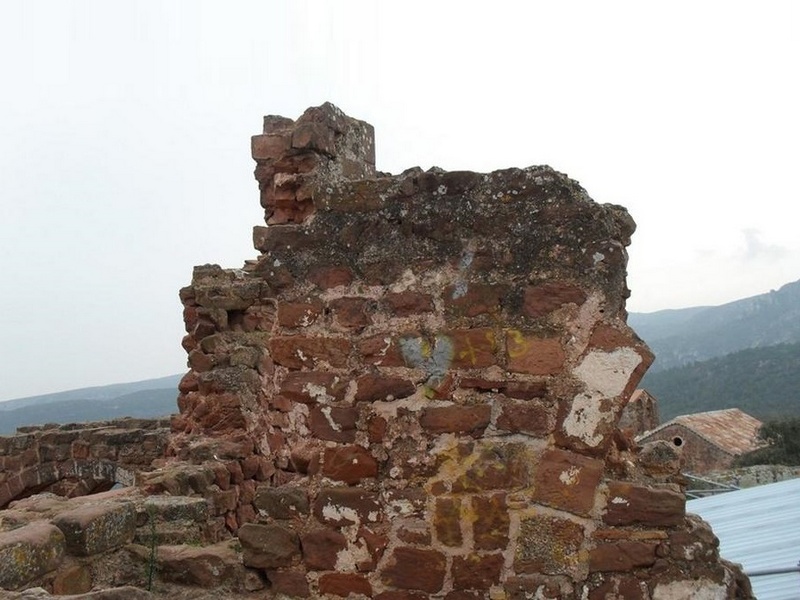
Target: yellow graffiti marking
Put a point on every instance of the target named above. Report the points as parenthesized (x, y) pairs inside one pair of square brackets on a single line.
[(519, 346), (469, 352)]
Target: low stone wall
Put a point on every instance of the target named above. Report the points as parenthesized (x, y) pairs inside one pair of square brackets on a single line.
[(78, 459)]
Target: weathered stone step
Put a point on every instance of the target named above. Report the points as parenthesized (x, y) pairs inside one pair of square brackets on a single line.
[(29, 552)]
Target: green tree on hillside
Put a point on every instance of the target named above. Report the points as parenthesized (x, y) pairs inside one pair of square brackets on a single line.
[(783, 437)]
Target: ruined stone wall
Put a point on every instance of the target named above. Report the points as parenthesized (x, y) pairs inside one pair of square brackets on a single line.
[(78, 459), (428, 370)]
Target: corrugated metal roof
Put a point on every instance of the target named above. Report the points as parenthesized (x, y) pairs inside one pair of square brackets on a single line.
[(760, 528), (730, 429)]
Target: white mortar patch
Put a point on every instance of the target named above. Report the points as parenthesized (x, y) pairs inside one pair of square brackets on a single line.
[(607, 373), (584, 418), (702, 589), (340, 513), (317, 392), (570, 476), (349, 558), (326, 410)]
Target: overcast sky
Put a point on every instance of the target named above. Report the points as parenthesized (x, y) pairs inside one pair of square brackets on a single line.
[(125, 131)]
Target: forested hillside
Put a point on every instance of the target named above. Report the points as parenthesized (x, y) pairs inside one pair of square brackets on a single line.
[(150, 398), (684, 336), (764, 382)]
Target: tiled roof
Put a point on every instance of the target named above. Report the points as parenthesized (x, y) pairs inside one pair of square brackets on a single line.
[(731, 429)]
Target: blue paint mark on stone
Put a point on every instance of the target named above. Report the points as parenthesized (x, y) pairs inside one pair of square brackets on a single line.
[(435, 360)]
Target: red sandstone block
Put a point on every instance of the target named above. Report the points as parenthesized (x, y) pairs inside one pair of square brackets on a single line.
[(189, 383), (190, 318), (332, 423), (409, 501), (258, 318), (528, 353), (235, 469), (415, 569), (312, 387), (499, 467), (491, 524), (447, 521), (351, 312), (630, 504), (624, 555), (381, 350), (250, 466), (330, 277), (534, 418), (344, 584), (94, 529), (472, 420), (350, 464), (606, 337), (347, 506), (298, 314), (28, 553), (277, 125), (414, 531), (282, 502), (567, 481), (523, 390), (289, 583), (297, 212), (265, 147), (80, 450), (472, 348), (401, 595), (404, 304), (474, 299), (245, 513), (629, 588), (376, 543), (476, 571), (543, 299), (268, 546), (305, 458), (72, 580), (321, 548), (298, 352), (547, 545), (372, 388), (200, 361), (284, 237), (464, 595), (222, 501), (247, 491), (376, 429), (313, 136)]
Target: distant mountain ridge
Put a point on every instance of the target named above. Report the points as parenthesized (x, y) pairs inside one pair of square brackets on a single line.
[(683, 336), (145, 399)]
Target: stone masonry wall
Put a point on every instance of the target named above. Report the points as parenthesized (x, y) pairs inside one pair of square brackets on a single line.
[(423, 375), (78, 459)]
